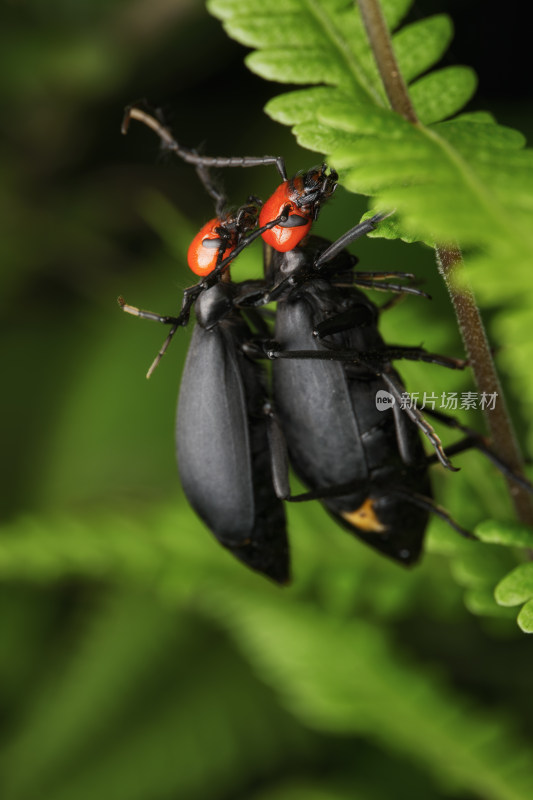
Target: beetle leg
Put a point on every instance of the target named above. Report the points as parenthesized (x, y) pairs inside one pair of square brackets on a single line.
[(381, 286), (371, 358), (475, 441), (220, 199), (138, 312), (355, 318), (191, 156), (324, 493), (162, 351), (428, 504), (279, 459), (395, 353), (408, 495), (361, 229), (249, 295), (396, 389), (381, 275), (176, 322), (212, 278)]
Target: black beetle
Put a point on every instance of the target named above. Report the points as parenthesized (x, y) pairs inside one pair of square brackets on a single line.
[(223, 433), (330, 363), (231, 452), (331, 368), (367, 465), (229, 447), (327, 407)]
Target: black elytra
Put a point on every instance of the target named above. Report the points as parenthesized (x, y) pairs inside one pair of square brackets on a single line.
[(222, 437), (335, 432), (331, 368)]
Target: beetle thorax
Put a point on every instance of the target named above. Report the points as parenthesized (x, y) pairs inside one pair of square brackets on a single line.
[(285, 264), (213, 304)]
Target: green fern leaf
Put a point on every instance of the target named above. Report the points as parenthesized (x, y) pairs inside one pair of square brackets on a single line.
[(517, 586), (465, 180), (441, 94), (480, 569), (525, 617), (177, 734), (420, 45), (344, 676), (510, 534)]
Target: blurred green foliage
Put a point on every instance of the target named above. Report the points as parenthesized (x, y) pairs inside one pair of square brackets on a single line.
[(137, 660)]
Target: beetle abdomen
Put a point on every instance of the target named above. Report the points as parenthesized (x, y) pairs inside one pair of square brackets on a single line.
[(223, 453)]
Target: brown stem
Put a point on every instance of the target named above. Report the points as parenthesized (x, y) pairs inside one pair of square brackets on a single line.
[(378, 35), (451, 267), (504, 440)]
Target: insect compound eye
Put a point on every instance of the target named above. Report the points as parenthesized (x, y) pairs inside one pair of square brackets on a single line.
[(246, 218), (313, 176), (318, 187)]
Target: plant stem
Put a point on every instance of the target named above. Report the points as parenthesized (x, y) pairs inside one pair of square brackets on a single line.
[(380, 42), (451, 267)]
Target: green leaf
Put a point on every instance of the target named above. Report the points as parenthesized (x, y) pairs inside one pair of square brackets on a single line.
[(441, 94), (345, 676), (482, 603), (420, 45), (525, 617), (516, 587), (323, 42), (279, 65), (510, 534), (136, 709), (481, 136)]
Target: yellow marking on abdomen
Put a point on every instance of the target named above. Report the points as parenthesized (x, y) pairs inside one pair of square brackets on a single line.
[(365, 518)]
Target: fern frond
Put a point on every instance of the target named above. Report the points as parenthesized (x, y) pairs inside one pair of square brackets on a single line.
[(172, 553), (185, 725), (490, 575), (333, 672), (516, 587), (466, 180), (345, 676), (108, 660)]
